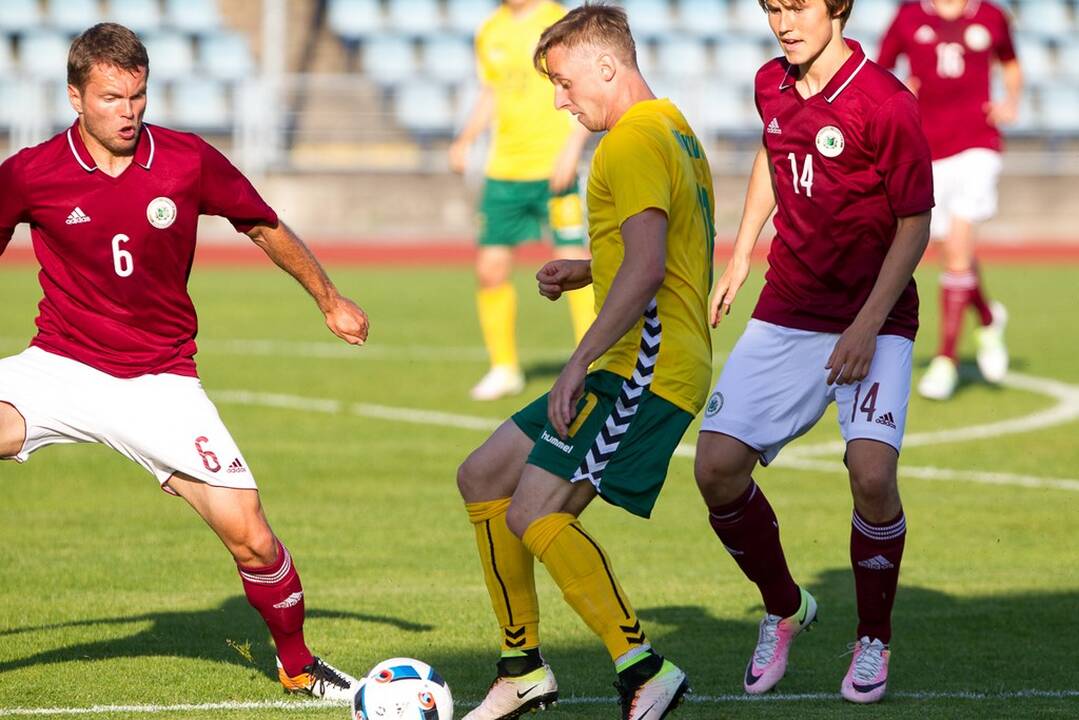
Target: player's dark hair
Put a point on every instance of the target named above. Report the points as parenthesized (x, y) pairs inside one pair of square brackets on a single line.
[(590, 24), (105, 44), (836, 8)]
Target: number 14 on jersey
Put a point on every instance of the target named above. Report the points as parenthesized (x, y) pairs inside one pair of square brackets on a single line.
[(803, 180)]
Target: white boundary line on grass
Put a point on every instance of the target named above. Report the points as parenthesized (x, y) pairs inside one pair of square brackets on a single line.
[(304, 706), (797, 458)]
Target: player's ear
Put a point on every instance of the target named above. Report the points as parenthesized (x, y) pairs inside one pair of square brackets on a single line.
[(74, 96), (607, 67)]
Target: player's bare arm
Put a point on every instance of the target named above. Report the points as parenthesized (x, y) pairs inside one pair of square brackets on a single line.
[(559, 276), (565, 167), (478, 120), (346, 319), (758, 207), (1006, 110), (849, 362), (634, 286)]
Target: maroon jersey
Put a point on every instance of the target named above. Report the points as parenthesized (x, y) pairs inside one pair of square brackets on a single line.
[(115, 253), (951, 62), (846, 163)]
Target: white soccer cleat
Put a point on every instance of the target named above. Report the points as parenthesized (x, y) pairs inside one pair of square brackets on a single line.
[(511, 697), (657, 696), (769, 662), (867, 678), (499, 382), (321, 680), (940, 380), (992, 353)]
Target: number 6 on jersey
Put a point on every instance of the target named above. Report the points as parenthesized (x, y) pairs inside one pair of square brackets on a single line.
[(122, 262)]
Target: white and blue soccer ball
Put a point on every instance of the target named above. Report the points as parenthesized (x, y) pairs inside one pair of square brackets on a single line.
[(402, 689)]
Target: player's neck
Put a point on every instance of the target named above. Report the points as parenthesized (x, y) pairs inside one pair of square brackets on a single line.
[(950, 10), (106, 161), (635, 90), (814, 75)]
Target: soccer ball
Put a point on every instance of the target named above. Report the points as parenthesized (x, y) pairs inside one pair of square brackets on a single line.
[(402, 688)]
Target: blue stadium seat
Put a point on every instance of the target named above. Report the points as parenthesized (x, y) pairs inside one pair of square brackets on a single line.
[(389, 60), (43, 55), (171, 56), (416, 18), (19, 98), (157, 105), (727, 109), (1068, 61), (72, 16), (7, 57), (704, 18), (465, 16), (355, 19), (19, 16), (1060, 109), (193, 16), (60, 112), (682, 56), (1035, 58), (424, 108), (449, 58), (1046, 18), (226, 55), (870, 18), (750, 20), (646, 59), (140, 15), (739, 59), (200, 104), (649, 18)]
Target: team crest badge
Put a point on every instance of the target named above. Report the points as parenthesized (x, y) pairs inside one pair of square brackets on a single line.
[(977, 37), (830, 141), (715, 404), (161, 212)]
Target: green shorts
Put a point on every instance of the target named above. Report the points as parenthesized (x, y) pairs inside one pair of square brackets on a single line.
[(513, 212), (636, 456)]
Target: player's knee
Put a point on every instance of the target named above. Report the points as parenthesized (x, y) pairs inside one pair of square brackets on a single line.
[(721, 478), (874, 487), (256, 548), (469, 480), (12, 431)]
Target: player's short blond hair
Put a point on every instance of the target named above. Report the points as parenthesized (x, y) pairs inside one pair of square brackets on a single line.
[(595, 24), (105, 44), (836, 8)]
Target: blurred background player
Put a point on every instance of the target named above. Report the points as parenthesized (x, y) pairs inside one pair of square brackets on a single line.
[(618, 410), (846, 167), (531, 180), (951, 46), (113, 206)]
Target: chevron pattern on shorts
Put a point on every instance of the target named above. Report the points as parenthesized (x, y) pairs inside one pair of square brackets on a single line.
[(617, 423)]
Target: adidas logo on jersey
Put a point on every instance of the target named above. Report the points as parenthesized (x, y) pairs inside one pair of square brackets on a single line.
[(877, 562), (77, 216), (773, 127), (236, 467), (887, 420)]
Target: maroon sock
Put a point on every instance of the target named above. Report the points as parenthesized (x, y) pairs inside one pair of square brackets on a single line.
[(875, 554), (749, 531), (955, 290), (276, 592), (977, 299)]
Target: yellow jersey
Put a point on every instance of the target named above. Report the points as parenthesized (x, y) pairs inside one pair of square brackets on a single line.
[(527, 132), (652, 159)]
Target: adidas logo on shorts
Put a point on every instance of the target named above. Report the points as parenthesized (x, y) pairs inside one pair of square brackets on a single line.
[(887, 420), (236, 467)]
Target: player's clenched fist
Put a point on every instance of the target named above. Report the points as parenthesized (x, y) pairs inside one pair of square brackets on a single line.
[(348, 321), (559, 276)]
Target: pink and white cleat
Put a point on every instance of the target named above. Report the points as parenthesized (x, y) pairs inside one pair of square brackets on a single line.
[(867, 677), (769, 662)]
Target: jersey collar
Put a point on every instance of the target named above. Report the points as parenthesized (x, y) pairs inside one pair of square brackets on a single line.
[(843, 77), (144, 148), (969, 11)]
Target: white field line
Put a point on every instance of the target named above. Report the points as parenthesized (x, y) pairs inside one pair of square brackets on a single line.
[(803, 458), (311, 705)]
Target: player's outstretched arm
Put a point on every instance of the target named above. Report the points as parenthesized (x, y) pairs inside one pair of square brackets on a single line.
[(478, 119), (853, 353), (559, 276), (634, 286), (759, 204), (1006, 110), (346, 319)]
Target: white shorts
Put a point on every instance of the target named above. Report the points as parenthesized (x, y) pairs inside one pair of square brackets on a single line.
[(965, 187), (773, 389), (163, 422)]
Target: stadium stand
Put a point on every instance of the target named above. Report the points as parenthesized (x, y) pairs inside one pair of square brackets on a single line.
[(353, 20), (72, 16), (20, 16), (193, 16), (140, 15)]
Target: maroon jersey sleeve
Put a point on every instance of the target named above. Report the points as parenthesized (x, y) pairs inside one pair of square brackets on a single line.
[(902, 155), (1003, 46), (13, 208), (224, 191), (891, 45)]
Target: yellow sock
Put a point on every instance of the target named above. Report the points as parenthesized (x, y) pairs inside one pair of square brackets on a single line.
[(507, 570), (582, 311), (498, 319), (583, 572)]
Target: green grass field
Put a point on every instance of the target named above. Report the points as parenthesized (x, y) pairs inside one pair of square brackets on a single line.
[(113, 594)]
